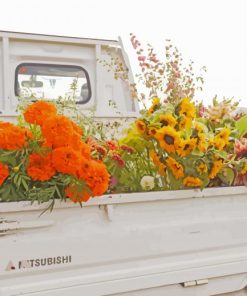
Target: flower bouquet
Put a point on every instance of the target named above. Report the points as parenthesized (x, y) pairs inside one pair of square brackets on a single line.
[(45, 158), (176, 143)]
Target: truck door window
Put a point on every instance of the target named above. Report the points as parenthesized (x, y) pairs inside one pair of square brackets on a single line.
[(52, 82)]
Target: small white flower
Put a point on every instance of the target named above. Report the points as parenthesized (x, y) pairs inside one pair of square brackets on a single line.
[(147, 182)]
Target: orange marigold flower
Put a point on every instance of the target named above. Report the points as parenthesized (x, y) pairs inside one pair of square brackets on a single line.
[(58, 131), (28, 133), (40, 167), (12, 137), (73, 194), (96, 177), (38, 112), (77, 144), (77, 128), (4, 172), (66, 160)]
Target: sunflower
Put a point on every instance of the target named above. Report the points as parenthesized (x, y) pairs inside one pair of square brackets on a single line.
[(199, 127), (217, 165), (141, 126), (184, 123), (168, 138), (151, 131), (192, 182), (221, 139), (202, 168), (201, 143), (176, 168), (185, 147), (200, 138), (156, 160), (244, 169), (155, 106), (187, 108), (167, 120)]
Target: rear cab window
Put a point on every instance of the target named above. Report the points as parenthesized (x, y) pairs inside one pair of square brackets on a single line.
[(38, 81)]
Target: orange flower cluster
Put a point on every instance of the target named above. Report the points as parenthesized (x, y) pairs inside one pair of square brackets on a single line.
[(13, 137), (95, 174), (37, 113), (40, 167), (69, 154), (4, 172)]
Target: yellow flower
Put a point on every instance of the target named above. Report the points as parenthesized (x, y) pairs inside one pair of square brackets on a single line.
[(244, 169), (200, 136), (16, 169), (185, 147), (221, 139), (151, 131), (217, 165), (155, 106), (199, 127), (176, 168), (155, 101), (202, 168), (167, 120), (168, 138), (154, 156), (192, 182), (201, 142), (187, 108), (156, 160), (217, 143), (141, 126), (185, 123)]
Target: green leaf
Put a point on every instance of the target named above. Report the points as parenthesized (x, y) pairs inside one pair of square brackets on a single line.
[(227, 176), (241, 125)]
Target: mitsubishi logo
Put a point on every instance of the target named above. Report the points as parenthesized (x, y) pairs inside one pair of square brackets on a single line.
[(10, 266)]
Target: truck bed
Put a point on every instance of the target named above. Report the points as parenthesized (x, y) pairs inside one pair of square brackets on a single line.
[(186, 242)]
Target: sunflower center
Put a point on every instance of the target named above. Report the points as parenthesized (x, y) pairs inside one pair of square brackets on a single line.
[(187, 146), (169, 139), (164, 123)]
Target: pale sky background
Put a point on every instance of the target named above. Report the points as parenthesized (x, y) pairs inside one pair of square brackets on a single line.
[(212, 33)]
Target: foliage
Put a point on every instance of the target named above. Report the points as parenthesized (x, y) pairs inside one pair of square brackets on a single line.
[(187, 147), (45, 158), (56, 152)]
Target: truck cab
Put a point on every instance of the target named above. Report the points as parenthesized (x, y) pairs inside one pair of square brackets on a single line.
[(48, 67)]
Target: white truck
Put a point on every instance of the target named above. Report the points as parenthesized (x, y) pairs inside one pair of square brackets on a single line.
[(174, 243)]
